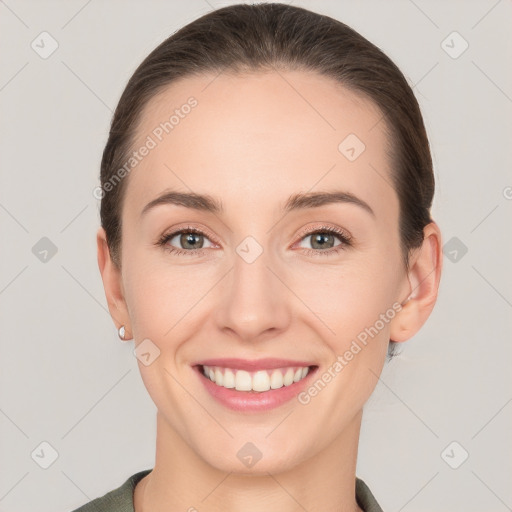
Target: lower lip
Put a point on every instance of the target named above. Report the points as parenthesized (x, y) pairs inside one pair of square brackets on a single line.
[(254, 401)]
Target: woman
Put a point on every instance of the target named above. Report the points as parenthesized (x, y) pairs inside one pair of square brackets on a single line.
[(266, 241)]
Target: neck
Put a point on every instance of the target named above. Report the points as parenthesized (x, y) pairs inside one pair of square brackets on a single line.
[(181, 480)]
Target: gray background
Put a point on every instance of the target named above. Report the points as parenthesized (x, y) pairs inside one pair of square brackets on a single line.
[(65, 377)]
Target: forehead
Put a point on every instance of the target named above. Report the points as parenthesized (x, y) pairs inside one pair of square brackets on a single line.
[(252, 139)]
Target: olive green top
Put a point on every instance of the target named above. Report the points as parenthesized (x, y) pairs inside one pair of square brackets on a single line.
[(121, 499)]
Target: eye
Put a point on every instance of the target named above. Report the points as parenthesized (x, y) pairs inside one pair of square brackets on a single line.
[(189, 240), (323, 241)]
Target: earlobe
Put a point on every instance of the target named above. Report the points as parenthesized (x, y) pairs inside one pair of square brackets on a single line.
[(423, 281), (112, 284)]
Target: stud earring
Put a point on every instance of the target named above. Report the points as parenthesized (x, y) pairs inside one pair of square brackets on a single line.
[(122, 332)]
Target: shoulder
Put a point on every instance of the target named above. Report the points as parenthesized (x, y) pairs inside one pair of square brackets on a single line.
[(117, 500), (365, 499)]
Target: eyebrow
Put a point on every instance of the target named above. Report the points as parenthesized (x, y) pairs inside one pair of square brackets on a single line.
[(300, 201)]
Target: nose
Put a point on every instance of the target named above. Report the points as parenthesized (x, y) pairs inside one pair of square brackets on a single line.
[(253, 301)]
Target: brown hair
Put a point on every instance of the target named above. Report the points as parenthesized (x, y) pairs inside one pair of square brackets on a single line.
[(241, 38)]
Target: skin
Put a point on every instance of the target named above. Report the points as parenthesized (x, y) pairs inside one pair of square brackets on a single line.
[(252, 141)]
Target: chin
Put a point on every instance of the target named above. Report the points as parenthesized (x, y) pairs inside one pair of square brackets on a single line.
[(251, 457)]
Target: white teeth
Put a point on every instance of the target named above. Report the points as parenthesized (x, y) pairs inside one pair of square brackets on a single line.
[(261, 380), (288, 377), (219, 378), (243, 381), (276, 380), (229, 379)]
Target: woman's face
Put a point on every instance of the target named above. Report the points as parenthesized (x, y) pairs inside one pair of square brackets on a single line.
[(263, 277)]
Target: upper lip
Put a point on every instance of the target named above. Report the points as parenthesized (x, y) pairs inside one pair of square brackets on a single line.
[(254, 364)]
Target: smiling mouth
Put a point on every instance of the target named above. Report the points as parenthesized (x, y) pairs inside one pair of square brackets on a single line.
[(255, 381)]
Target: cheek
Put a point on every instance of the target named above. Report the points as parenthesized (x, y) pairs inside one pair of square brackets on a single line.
[(340, 300), (346, 299), (162, 296)]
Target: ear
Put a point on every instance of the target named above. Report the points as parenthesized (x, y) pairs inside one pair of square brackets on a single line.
[(422, 287), (113, 285)]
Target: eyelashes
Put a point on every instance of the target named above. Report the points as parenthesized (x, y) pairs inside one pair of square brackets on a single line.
[(169, 236), (344, 238)]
